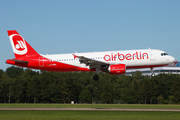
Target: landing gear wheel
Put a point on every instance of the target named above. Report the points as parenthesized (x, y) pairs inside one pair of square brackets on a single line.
[(152, 75), (96, 77)]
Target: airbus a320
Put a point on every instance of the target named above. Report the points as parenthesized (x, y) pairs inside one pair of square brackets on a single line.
[(112, 62)]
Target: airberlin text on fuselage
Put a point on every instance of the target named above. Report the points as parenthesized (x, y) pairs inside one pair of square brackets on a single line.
[(128, 56)]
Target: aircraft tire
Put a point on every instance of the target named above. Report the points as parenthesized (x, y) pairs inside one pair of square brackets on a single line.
[(96, 77), (152, 75)]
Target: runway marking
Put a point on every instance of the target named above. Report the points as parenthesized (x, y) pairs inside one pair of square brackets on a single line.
[(92, 109)]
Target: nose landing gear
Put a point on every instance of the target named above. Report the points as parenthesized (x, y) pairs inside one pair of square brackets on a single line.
[(152, 73)]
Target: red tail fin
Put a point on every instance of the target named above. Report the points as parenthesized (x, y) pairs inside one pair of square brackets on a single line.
[(20, 47)]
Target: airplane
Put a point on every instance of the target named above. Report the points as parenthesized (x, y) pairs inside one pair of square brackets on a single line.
[(112, 62)]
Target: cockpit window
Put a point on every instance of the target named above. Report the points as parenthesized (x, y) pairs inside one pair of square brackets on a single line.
[(164, 54)]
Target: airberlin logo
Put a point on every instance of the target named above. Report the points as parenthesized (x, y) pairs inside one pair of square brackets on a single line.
[(18, 44), (137, 55)]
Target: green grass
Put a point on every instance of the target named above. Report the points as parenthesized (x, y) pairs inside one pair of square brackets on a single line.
[(153, 106), (88, 115)]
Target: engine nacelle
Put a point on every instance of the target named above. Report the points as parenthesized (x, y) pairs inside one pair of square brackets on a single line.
[(117, 69)]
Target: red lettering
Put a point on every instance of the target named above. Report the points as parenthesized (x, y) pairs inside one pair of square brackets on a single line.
[(128, 56), (146, 55), (107, 58), (115, 57), (112, 56), (137, 55), (134, 55), (119, 57)]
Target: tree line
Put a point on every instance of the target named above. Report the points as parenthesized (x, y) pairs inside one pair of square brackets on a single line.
[(18, 85)]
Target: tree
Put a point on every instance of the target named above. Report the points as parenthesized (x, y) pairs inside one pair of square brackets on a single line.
[(160, 99), (68, 91), (14, 72), (85, 96), (164, 83), (146, 89), (18, 88), (175, 90), (106, 95), (18, 85), (2, 75)]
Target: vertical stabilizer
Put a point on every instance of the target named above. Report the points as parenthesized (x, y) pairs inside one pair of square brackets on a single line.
[(19, 45)]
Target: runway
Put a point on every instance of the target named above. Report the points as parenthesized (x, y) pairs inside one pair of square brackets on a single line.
[(92, 109)]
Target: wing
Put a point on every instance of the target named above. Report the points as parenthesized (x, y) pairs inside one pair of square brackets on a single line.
[(92, 63)]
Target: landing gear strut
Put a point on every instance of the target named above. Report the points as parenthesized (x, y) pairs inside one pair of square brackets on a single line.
[(96, 77)]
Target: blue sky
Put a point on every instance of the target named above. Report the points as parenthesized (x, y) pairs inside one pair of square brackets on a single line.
[(66, 26)]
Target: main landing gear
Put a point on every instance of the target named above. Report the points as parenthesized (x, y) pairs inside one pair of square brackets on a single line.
[(96, 77)]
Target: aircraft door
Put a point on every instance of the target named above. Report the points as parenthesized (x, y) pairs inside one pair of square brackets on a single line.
[(41, 61), (152, 55)]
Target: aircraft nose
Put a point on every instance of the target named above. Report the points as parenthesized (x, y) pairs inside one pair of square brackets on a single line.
[(172, 59)]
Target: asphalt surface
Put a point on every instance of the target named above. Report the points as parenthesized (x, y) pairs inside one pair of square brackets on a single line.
[(92, 109)]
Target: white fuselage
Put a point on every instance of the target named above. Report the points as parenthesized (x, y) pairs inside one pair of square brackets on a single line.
[(132, 58)]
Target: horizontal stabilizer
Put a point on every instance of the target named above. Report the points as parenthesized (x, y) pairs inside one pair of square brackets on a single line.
[(19, 61)]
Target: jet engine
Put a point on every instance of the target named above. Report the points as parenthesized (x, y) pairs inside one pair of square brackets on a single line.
[(117, 69)]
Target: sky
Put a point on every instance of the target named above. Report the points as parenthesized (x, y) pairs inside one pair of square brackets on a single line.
[(66, 26)]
